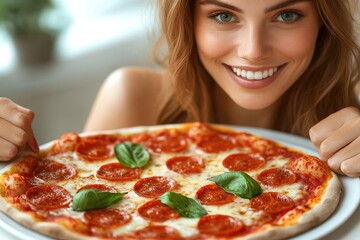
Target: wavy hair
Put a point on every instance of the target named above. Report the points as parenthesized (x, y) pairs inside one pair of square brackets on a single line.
[(327, 86)]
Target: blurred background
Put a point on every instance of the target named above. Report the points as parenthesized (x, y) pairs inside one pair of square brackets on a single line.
[(54, 54)]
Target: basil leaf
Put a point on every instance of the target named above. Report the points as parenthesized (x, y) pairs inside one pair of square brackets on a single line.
[(132, 155), (88, 199), (238, 183), (186, 207)]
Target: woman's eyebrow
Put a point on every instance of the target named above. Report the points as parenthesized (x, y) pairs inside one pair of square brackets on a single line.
[(283, 4), (269, 9), (221, 4)]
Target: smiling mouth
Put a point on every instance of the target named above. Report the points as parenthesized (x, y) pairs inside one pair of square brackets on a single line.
[(255, 75)]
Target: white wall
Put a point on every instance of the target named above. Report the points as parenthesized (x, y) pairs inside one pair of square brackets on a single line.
[(61, 93)]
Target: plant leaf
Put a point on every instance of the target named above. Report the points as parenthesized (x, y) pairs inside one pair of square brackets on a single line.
[(132, 155), (238, 183), (88, 199), (186, 207)]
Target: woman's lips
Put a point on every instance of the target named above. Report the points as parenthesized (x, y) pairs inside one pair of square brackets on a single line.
[(253, 79)]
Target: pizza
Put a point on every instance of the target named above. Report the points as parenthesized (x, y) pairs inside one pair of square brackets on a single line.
[(181, 181)]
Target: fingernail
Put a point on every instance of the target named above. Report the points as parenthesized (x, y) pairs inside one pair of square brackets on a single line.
[(33, 144)]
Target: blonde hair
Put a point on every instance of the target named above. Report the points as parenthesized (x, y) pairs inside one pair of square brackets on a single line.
[(325, 87)]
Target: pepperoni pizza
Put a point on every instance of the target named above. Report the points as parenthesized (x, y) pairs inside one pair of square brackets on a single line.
[(185, 181)]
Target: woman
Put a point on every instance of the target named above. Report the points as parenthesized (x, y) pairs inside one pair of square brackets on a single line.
[(277, 64)]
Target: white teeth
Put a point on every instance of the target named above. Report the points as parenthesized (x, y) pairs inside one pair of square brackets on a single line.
[(258, 75), (251, 75), (265, 74), (243, 73)]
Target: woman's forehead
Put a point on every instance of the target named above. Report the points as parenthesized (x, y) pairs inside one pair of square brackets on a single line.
[(277, 3), (257, 7)]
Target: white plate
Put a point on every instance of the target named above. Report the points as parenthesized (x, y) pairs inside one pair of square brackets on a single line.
[(349, 201)]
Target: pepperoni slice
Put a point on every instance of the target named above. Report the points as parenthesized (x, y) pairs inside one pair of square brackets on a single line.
[(198, 130), (282, 151), (46, 197), (66, 143), (243, 139), (156, 211), (217, 143), (157, 232), (54, 171), (118, 172), (167, 141), (114, 139), (262, 145), (275, 177), (106, 218), (310, 167), (27, 165), (243, 162), (220, 225), (266, 147), (15, 184), (185, 164), (272, 202), (101, 187), (139, 138), (94, 150), (153, 187), (212, 140), (212, 194)]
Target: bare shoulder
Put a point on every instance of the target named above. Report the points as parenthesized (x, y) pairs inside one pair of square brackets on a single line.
[(137, 81), (129, 96)]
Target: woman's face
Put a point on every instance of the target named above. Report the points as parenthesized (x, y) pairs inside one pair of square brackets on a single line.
[(255, 50)]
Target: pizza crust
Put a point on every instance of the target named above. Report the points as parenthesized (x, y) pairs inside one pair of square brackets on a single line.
[(47, 228), (315, 216)]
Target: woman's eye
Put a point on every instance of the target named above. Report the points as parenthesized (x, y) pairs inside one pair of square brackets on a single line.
[(288, 17), (224, 17)]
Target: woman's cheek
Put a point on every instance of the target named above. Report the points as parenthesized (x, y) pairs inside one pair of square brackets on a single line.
[(298, 44), (213, 45)]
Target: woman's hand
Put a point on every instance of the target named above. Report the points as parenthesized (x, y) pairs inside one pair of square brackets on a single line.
[(337, 138), (15, 129)]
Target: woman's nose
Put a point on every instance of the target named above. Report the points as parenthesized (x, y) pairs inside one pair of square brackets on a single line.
[(253, 44)]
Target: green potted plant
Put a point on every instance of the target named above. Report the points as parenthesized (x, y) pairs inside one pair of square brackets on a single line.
[(24, 21)]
